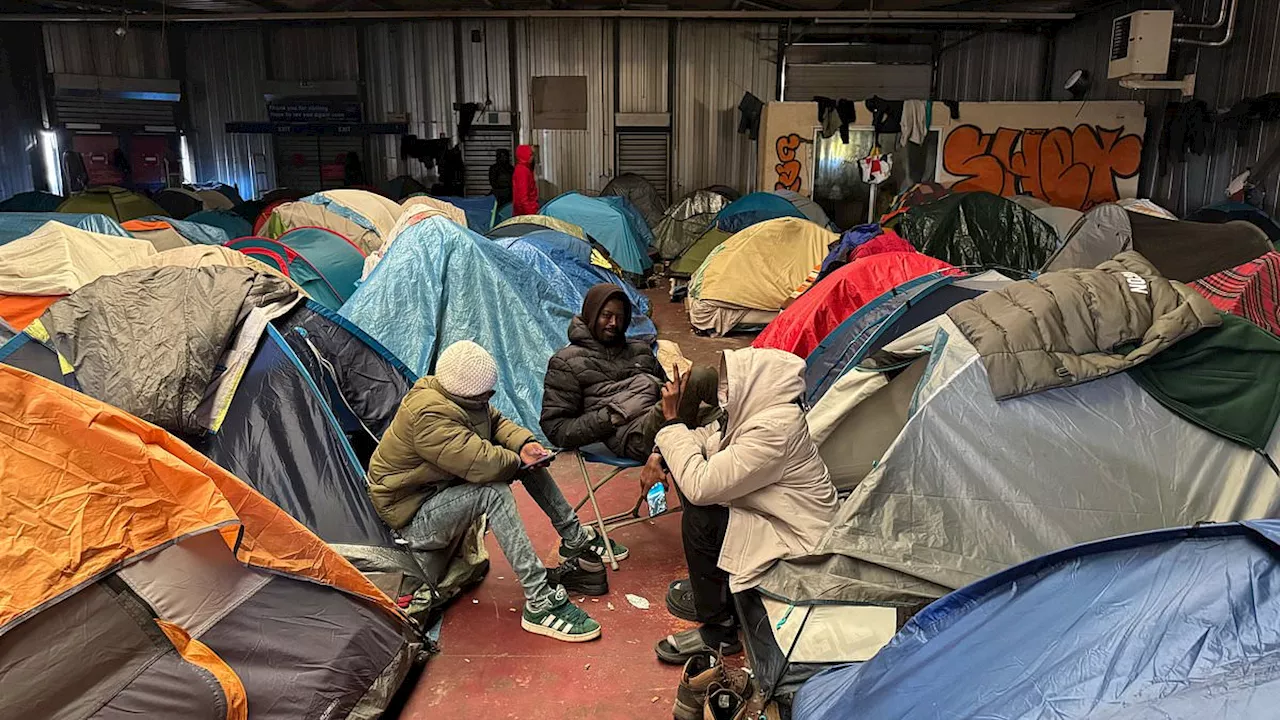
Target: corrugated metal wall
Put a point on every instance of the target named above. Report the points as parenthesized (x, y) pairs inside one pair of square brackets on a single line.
[(224, 66), (314, 52), (410, 73), (18, 127), (992, 66), (493, 53), (570, 159), (643, 53), (715, 64), (1248, 67), (95, 49)]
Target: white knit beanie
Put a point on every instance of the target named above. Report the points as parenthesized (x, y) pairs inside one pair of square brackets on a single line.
[(466, 370)]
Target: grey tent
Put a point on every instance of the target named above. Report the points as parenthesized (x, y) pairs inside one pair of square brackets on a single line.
[(1014, 479), (683, 223), (641, 193), (810, 209), (1180, 249)]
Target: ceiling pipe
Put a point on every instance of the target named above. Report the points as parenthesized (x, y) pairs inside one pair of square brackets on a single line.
[(1231, 30), (1222, 19), (923, 17)]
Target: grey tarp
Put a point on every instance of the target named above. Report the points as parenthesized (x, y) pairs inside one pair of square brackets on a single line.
[(973, 486), (684, 222), (641, 193), (806, 205), (1180, 249), (167, 344)]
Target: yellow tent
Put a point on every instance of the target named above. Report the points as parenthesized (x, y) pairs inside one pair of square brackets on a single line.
[(422, 203), (759, 267)]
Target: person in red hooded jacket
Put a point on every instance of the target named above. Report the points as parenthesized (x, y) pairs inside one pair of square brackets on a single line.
[(524, 186)]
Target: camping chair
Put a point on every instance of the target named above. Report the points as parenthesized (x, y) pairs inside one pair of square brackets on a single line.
[(598, 453)]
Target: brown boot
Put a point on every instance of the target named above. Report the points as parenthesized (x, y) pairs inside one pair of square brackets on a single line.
[(724, 704), (701, 672)]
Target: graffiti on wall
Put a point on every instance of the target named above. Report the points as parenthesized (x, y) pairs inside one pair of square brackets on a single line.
[(789, 166), (1076, 168)]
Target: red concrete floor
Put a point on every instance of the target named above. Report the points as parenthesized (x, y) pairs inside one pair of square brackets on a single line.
[(490, 668)]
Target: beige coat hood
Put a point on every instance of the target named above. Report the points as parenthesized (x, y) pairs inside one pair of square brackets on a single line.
[(762, 465)]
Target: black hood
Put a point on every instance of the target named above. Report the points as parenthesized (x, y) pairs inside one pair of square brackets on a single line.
[(595, 301)]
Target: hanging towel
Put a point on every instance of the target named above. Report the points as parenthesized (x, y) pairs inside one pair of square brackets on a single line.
[(915, 124)]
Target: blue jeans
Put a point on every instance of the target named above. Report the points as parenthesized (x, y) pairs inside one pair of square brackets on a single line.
[(448, 513)]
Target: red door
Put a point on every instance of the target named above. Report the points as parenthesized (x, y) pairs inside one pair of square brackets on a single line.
[(98, 152), (147, 155)]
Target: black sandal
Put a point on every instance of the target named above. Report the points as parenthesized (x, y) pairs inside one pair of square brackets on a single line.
[(676, 649), (680, 600)]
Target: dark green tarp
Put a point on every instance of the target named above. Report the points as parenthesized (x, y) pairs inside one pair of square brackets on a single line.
[(979, 230), (1224, 379)]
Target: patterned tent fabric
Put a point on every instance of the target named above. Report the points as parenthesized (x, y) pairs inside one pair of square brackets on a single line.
[(1251, 290)]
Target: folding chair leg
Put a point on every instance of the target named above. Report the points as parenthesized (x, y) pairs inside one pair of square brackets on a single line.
[(591, 495)]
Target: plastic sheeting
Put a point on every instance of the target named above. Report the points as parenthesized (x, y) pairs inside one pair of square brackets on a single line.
[(753, 208), (979, 229), (683, 223), (440, 283), (1169, 624), (973, 486), (608, 225), (14, 225), (568, 267)]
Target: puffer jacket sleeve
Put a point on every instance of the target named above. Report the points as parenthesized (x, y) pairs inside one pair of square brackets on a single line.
[(508, 434), (451, 446), (563, 420), (754, 460)]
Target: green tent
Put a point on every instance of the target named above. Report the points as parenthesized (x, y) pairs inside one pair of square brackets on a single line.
[(697, 253), (978, 229), (114, 202)]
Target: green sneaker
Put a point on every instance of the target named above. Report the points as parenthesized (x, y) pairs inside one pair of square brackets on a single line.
[(566, 622), (596, 547)]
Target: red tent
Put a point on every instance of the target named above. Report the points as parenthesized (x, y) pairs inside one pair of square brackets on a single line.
[(1251, 290), (807, 321)]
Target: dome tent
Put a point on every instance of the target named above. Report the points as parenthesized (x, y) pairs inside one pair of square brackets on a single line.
[(114, 202)]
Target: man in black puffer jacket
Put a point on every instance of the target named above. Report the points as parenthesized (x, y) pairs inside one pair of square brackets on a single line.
[(603, 388)]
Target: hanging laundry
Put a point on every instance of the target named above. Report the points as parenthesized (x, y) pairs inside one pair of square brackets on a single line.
[(848, 111), (750, 108), (915, 122), (828, 117)]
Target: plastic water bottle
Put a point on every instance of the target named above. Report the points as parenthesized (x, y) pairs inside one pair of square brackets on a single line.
[(657, 497)]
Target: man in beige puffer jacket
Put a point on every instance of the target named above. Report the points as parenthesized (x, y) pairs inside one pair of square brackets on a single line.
[(753, 488)]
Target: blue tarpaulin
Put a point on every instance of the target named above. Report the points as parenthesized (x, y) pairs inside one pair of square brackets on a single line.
[(1181, 623), (480, 211), (195, 232), (440, 283), (19, 224), (232, 224), (570, 274), (609, 225)]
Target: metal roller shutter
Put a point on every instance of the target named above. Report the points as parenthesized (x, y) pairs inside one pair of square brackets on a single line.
[(111, 112), (479, 151), (647, 154), (310, 163)]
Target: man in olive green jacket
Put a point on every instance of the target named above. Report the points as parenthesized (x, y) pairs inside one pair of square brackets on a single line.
[(449, 457)]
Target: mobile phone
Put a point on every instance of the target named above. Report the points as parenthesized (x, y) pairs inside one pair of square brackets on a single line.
[(545, 459)]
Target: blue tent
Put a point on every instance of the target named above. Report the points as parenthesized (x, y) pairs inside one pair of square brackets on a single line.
[(32, 201), (751, 209), (440, 283), (1181, 623), (15, 225), (480, 211), (503, 213), (608, 225), (566, 270), (227, 221), (195, 232), (634, 217)]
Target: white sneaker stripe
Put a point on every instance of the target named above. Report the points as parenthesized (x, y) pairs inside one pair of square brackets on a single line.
[(546, 621), (558, 626)]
